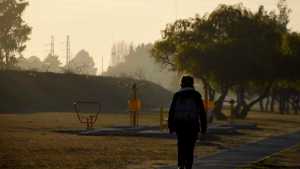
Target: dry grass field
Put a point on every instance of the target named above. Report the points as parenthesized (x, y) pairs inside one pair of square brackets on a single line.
[(29, 141), (286, 159)]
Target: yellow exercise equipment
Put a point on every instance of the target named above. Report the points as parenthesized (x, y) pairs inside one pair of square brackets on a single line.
[(134, 106)]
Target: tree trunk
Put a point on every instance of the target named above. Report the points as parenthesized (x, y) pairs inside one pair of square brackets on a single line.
[(267, 103), (217, 110), (287, 104), (211, 94), (261, 105), (297, 102), (272, 104), (281, 103), (294, 105), (240, 100), (219, 105), (244, 112), (247, 107)]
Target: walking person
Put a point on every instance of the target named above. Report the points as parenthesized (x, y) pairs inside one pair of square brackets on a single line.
[(186, 115)]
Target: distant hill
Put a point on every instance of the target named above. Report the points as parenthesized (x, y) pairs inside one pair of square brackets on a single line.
[(48, 92)]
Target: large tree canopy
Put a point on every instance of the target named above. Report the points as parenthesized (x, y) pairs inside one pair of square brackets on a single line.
[(232, 47), (14, 31), (229, 44)]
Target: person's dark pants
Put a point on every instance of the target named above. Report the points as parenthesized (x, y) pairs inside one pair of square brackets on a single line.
[(185, 148)]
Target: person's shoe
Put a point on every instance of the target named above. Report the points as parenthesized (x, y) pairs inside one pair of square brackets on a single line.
[(180, 167)]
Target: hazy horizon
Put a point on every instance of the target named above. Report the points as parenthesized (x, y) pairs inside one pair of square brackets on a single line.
[(94, 25)]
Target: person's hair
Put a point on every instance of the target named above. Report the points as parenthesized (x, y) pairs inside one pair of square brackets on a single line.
[(187, 81)]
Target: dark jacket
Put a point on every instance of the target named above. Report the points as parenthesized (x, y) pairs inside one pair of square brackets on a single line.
[(182, 94)]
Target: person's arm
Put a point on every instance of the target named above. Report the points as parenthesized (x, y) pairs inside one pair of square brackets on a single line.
[(203, 118), (171, 115)]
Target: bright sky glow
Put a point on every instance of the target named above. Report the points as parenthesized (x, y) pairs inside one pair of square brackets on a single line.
[(95, 24)]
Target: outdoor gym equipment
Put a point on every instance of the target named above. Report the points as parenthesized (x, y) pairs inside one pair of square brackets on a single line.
[(134, 105), (89, 120), (163, 123), (209, 105)]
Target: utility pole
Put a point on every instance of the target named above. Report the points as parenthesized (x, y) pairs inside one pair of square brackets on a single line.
[(68, 52), (52, 46)]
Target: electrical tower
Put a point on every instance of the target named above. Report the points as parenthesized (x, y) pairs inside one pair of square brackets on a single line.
[(52, 46), (68, 51)]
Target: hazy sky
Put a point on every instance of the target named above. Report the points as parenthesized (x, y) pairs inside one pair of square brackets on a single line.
[(95, 24)]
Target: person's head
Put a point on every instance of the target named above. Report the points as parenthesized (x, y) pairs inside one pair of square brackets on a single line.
[(187, 81)]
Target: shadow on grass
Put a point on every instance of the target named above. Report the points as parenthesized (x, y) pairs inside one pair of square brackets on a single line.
[(145, 132)]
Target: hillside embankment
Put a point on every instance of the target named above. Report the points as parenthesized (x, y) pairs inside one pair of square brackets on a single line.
[(50, 92)]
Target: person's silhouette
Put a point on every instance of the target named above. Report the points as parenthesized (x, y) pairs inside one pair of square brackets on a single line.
[(186, 115)]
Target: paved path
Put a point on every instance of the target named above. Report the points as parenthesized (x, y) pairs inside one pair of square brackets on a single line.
[(246, 154)]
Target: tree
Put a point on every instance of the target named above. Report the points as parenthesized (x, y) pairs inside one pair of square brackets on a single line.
[(34, 64), (138, 64), (284, 12), (82, 63), (118, 52), (287, 89), (231, 47), (14, 31), (272, 29), (21, 63), (52, 64), (290, 60), (202, 46)]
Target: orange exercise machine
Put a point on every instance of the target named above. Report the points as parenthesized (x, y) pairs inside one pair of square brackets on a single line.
[(134, 106)]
